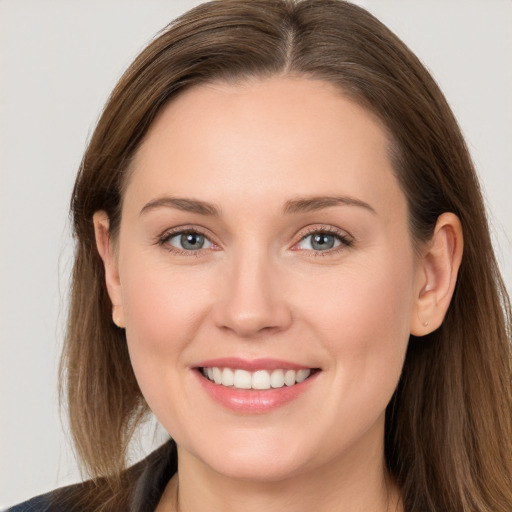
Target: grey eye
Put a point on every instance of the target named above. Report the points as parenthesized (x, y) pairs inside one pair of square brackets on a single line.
[(190, 241), (319, 241)]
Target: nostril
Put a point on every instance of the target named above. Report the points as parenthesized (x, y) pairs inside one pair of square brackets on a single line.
[(254, 322)]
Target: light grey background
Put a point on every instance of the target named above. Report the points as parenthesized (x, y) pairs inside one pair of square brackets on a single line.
[(58, 61)]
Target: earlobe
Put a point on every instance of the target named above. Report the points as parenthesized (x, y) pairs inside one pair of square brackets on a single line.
[(437, 275), (105, 246)]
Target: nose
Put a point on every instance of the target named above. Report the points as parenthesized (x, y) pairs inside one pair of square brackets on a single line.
[(251, 299)]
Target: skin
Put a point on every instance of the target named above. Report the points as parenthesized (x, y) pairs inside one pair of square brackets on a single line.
[(259, 289)]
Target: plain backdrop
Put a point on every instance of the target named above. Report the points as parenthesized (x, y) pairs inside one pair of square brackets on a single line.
[(59, 60)]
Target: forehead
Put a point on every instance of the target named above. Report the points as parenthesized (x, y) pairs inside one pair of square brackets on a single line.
[(274, 137)]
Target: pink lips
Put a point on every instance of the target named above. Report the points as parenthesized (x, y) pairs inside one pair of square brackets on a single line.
[(252, 401), (250, 366)]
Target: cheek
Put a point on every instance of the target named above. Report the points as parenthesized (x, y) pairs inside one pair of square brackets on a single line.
[(160, 303), (363, 317), (379, 305), (362, 298), (163, 310)]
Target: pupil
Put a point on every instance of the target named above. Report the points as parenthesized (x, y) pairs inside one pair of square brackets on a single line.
[(322, 241), (192, 241)]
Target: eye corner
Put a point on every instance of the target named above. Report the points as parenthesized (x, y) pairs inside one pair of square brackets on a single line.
[(175, 241), (329, 240)]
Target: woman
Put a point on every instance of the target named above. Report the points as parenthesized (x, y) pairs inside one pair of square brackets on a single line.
[(270, 259)]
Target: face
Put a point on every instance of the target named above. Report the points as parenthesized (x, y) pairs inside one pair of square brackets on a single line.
[(265, 276)]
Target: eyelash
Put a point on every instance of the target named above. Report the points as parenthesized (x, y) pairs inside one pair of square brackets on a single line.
[(345, 241), (164, 238)]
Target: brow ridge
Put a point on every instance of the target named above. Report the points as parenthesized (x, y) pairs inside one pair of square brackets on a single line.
[(310, 204), (184, 204), (299, 205)]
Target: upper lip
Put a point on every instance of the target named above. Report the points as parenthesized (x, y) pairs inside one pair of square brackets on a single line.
[(251, 365)]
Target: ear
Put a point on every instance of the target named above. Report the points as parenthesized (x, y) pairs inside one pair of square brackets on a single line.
[(107, 252), (437, 275)]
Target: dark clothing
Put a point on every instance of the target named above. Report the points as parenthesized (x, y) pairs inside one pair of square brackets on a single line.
[(152, 475)]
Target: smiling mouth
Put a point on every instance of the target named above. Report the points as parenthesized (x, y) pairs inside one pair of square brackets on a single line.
[(259, 379)]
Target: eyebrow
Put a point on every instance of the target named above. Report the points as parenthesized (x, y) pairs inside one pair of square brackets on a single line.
[(300, 205), (180, 203), (311, 204)]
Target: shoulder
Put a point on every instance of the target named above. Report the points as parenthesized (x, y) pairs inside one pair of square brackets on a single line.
[(39, 503), (147, 478), (43, 503), (63, 499)]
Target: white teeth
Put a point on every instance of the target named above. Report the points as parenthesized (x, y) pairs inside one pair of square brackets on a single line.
[(217, 375), (260, 379), (228, 377), (302, 375), (277, 379), (289, 377), (242, 379)]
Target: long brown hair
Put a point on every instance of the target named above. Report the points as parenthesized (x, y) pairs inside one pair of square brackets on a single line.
[(448, 426)]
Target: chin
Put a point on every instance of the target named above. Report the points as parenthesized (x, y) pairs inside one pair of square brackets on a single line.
[(257, 469), (256, 460)]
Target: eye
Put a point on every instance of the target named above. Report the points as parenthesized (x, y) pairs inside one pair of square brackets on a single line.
[(188, 241), (322, 241)]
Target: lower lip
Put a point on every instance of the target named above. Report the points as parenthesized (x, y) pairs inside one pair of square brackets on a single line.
[(254, 401)]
